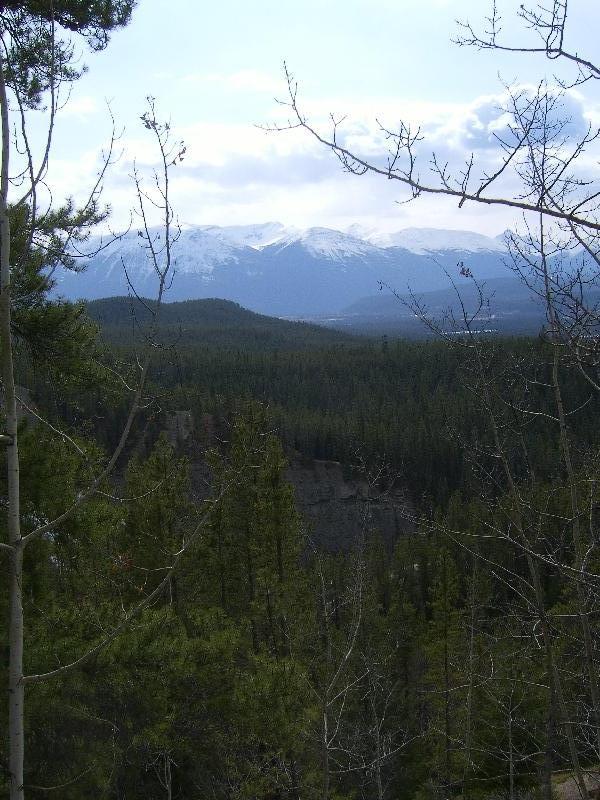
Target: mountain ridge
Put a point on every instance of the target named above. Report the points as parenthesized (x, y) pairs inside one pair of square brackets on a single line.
[(283, 271)]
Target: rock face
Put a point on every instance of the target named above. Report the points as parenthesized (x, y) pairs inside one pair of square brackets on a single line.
[(179, 426), (339, 512)]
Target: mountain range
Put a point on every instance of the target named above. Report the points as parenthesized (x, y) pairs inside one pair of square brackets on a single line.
[(285, 271)]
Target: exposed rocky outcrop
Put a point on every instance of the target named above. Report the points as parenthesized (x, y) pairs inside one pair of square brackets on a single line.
[(179, 427), (339, 510)]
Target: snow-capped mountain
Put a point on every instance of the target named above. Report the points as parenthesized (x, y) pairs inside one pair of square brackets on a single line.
[(256, 236), (432, 240), (329, 243), (285, 270)]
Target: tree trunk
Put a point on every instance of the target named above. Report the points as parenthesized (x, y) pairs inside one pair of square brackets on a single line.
[(549, 749), (511, 754), (295, 780), (471, 680), (539, 599), (556, 681), (325, 753), (378, 748), (16, 694), (579, 544), (168, 779), (447, 769)]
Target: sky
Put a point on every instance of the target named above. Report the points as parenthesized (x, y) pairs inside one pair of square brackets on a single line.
[(216, 69)]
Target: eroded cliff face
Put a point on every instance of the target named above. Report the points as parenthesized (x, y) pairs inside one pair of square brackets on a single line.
[(339, 509), (179, 427)]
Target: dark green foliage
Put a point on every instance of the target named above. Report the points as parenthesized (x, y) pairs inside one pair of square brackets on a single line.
[(220, 686), (90, 18), (416, 405), (37, 59), (220, 323), (265, 669)]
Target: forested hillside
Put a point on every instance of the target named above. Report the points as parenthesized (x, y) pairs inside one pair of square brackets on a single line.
[(276, 668), (207, 323), (412, 405)]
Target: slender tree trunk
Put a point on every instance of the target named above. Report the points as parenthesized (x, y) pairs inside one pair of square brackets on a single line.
[(326, 779), (556, 680), (325, 753), (272, 629), (378, 748), (168, 780), (582, 604), (446, 684), (295, 780), (221, 563), (16, 694), (251, 591), (511, 753), (538, 592), (548, 764), (471, 685), (577, 536)]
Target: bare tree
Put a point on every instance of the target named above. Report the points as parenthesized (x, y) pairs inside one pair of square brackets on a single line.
[(332, 677), (19, 539), (25, 84), (540, 171), (25, 80)]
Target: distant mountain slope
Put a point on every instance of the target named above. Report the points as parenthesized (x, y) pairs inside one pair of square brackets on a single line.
[(502, 294), (509, 308), (211, 322), (287, 271)]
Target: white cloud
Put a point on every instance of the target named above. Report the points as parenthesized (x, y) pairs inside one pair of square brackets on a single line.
[(247, 80), (238, 173), (80, 106)]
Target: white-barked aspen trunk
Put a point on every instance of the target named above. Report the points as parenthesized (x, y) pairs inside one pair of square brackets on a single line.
[(10, 442)]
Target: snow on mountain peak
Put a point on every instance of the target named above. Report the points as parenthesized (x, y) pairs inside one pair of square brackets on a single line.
[(429, 240), (255, 236), (278, 269), (329, 243), (362, 231), (200, 249)]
